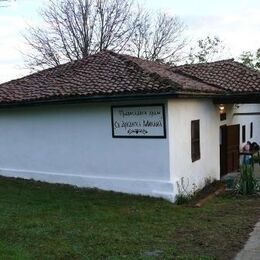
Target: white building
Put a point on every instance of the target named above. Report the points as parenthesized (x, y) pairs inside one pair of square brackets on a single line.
[(120, 123)]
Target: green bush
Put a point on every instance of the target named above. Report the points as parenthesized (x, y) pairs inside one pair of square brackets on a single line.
[(247, 183), (181, 199), (256, 159), (185, 191)]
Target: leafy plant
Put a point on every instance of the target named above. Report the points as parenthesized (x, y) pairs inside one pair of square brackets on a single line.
[(206, 50), (247, 183), (181, 198), (208, 181), (256, 159), (184, 194), (251, 59)]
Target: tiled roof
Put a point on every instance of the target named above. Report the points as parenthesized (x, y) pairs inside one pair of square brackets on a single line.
[(187, 83), (228, 75), (109, 74), (101, 74)]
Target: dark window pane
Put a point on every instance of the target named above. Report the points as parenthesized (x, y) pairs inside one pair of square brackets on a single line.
[(251, 130), (223, 116), (195, 140), (243, 133)]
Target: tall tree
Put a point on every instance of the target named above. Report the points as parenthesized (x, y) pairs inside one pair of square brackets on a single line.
[(74, 29), (206, 50), (251, 59), (158, 37)]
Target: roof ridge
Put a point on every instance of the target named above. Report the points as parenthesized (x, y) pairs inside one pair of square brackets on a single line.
[(108, 73), (205, 63), (156, 76), (38, 72), (42, 71), (200, 80), (187, 68), (243, 66), (177, 69), (128, 59), (230, 61)]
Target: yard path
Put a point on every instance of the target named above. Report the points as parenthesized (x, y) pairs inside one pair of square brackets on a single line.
[(251, 251), (257, 170), (235, 175)]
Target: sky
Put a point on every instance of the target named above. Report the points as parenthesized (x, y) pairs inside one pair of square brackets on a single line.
[(235, 22)]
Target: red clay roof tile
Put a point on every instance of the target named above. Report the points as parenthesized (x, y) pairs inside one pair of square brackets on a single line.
[(227, 75), (108, 73)]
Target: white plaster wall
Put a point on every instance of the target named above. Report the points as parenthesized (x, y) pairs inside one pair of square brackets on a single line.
[(180, 114), (233, 119), (73, 144)]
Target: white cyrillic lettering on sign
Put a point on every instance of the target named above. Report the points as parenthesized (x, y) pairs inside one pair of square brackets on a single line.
[(138, 121)]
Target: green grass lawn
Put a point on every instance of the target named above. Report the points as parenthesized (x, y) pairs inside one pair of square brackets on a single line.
[(46, 221)]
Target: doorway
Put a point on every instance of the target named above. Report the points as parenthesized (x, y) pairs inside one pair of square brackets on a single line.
[(229, 149)]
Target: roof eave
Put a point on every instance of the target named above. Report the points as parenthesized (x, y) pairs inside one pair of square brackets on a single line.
[(216, 97), (246, 97), (108, 98)]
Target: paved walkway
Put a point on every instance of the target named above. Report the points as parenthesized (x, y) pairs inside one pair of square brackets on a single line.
[(251, 250), (235, 175), (257, 170)]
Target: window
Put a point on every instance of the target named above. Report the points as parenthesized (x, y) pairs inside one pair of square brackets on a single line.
[(243, 134), (195, 140), (223, 116), (251, 130)]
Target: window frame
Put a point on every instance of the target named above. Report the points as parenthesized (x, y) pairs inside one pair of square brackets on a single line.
[(195, 140), (251, 130), (243, 133), (223, 116)]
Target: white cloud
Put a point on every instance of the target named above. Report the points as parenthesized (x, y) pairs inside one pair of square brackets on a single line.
[(238, 31), (237, 23), (11, 43)]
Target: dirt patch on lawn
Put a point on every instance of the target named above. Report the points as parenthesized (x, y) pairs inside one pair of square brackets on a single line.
[(208, 192)]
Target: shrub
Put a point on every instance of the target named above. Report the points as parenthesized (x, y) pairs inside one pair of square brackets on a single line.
[(184, 193), (256, 159), (247, 183), (182, 198)]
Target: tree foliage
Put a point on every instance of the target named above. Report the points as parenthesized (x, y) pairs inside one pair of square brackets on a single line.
[(158, 37), (251, 59), (206, 50), (74, 29)]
